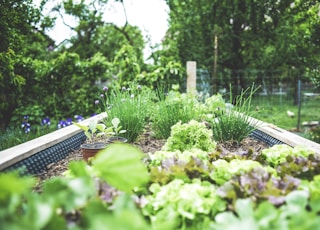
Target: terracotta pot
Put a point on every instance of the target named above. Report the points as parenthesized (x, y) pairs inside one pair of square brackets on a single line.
[(117, 139), (90, 150)]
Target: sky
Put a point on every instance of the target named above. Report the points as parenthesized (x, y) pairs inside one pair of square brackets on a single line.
[(151, 16)]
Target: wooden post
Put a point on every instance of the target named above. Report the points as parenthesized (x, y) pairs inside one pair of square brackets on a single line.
[(215, 60), (191, 77)]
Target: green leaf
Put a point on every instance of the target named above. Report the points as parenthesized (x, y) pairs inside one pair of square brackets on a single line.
[(121, 166), (115, 122), (96, 214), (246, 220), (101, 127), (38, 208), (11, 183), (83, 127), (69, 193), (296, 202)]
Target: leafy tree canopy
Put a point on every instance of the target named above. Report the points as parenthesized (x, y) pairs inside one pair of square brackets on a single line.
[(268, 34)]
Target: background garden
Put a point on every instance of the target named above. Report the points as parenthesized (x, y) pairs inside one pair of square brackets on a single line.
[(44, 85)]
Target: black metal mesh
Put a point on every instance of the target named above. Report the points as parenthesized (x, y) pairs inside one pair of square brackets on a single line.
[(269, 140), (38, 162)]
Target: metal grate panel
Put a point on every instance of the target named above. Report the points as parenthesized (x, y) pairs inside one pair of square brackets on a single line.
[(269, 140), (38, 162)]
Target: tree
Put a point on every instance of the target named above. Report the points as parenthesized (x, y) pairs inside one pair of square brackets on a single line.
[(93, 34), (21, 34), (268, 34)]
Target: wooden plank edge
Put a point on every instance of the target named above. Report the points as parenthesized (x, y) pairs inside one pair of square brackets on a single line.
[(285, 136), (22, 151)]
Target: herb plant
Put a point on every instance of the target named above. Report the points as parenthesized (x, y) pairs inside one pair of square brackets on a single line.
[(234, 123), (131, 105), (171, 109)]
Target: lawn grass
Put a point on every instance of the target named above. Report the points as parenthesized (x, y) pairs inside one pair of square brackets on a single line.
[(273, 109)]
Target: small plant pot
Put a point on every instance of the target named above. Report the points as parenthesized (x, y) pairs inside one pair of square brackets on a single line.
[(90, 150), (116, 139)]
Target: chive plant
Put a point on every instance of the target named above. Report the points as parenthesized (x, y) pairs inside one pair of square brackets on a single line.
[(235, 122), (170, 110), (131, 105)]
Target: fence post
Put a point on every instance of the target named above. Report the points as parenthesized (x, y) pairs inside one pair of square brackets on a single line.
[(299, 104), (191, 77)]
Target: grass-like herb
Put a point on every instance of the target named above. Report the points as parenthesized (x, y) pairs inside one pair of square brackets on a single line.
[(131, 106), (236, 121), (170, 110)]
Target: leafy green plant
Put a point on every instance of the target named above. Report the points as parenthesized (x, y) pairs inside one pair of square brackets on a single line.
[(314, 134), (93, 130), (158, 156), (131, 105), (214, 104), (234, 123), (180, 205), (73, 201), (266, 216), (171, 109), (188, 136), (224, 170), (116, 128)]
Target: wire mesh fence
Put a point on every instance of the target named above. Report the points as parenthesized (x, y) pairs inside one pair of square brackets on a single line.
[(275, 86), (283, 93)]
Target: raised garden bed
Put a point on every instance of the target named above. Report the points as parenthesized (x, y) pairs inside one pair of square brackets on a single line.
[(34, 156), (211, 190)]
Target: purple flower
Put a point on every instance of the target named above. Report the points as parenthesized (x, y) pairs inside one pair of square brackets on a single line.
[(45, 121), (26, 117), (62, 124), (26, 126), (105, 88), (78, 118), (102, 95), (69, 121), (96, 102)]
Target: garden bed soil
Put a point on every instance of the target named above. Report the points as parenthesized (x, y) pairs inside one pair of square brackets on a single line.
[(148, 144)]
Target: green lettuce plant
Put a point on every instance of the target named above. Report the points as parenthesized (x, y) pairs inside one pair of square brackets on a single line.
[(180, 205), (247, 215), (280, 153), (158, 156), (224, 170), (188, 136)]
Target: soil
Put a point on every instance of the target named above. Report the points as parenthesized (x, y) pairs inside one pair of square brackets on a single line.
[(148, 144)]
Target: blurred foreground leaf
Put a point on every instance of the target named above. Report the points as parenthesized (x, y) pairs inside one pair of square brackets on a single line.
[(121, 166)]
